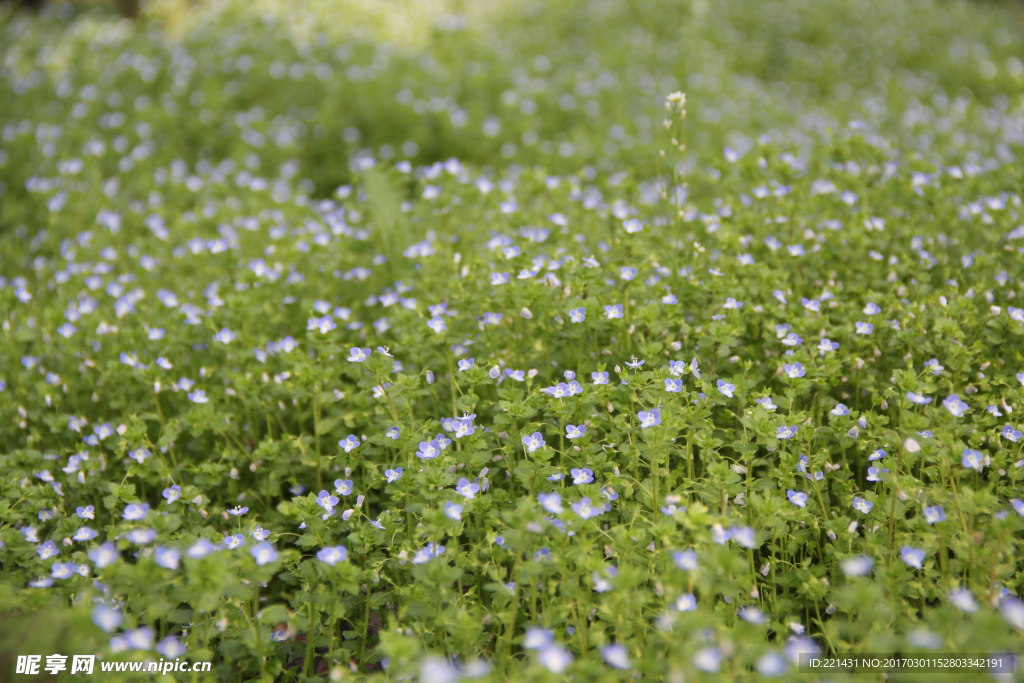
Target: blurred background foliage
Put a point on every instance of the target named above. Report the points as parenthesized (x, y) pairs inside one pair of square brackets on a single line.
[(563, 84)]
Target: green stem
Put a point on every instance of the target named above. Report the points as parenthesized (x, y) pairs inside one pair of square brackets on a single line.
[(308, 663), (316, 429)]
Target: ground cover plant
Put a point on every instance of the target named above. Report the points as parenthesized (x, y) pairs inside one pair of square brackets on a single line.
[(328, 357)]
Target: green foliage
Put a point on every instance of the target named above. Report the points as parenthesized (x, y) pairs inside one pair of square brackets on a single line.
[(279, 392)]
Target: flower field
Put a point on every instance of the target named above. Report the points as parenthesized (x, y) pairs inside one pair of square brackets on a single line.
[(439, 342)]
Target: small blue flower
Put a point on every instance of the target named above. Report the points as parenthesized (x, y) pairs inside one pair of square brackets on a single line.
[(581, 476), (743, 536), (934, 514), (767, 404), (168, 558), (1010, 433), (862, 505), (599, 377), (955, 406), (857, 566), (732, 304), (685, 559), (673, 386), (973, 459), (551, 502), (232, 542), (325, 500), (964, 600), (918, 399), (913, 557), (650, 418), (139, 455), (792, 339), (864, 328), (613, 312), (795, 370), (47, 550), (332, 555), (264, 553), (427, 553), (798, 498), (627, 273), (201, 548), (726, 388), (533, 441), (466, 364), (323, 325), (428, 450), (840, 410), (585, 510), (577, 315), (467, 489), (393, 475), (827, 345), (632, 226), (874, 472), (225, 336), (616, 655), (751, 614), (453, 511), (575, 431), (136, 511), (171, 494), (784, 432), (350, 443)]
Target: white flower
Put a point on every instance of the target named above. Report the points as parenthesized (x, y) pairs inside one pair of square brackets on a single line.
[(616, 655), (962, 598), (554, 658)]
